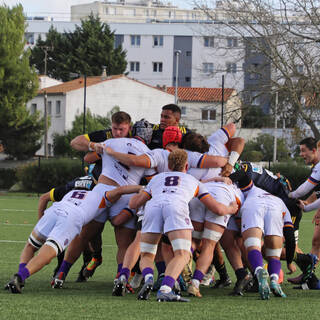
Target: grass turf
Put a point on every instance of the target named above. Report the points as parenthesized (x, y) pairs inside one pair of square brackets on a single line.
[(18, 214)]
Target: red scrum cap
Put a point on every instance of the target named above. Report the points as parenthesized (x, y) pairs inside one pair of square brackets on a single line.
[(171, 134)]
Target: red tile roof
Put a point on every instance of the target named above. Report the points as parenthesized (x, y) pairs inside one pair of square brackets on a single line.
[(201, 94), (76, 84)]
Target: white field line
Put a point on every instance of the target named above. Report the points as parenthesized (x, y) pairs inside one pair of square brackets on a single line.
[(18, 224), (19, 210), (24, 241)]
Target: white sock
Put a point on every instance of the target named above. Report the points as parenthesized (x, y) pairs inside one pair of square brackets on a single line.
[(196, 283), (274, 277), (148, 276), (165, 289)]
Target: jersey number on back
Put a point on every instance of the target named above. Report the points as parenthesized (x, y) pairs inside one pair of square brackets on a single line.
[(172, 181)]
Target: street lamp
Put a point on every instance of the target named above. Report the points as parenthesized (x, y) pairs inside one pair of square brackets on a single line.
[(275, 129), (177, 54)]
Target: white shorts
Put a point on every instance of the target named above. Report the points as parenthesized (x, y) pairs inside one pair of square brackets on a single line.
[(234, 224), (264, 214), (165, 217), (62, 226), (115, 208)]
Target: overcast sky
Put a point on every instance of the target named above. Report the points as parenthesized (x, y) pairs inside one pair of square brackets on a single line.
[(61, 8)]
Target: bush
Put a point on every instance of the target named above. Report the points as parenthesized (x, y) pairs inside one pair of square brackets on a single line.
[(7, 178), (43, 176), (295, 173)]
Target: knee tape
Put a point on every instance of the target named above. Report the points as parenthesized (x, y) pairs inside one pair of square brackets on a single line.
[(148, 247), (252, 242), (181, 244), (197, 234), (211, 235), (53, 244), (273, 252), (35, 242)]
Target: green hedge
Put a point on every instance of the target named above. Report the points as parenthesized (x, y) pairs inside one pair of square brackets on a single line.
[(41, 176), (7, 178), (296, 173)]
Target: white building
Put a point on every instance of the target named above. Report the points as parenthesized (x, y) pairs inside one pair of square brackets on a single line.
[(66, 100)]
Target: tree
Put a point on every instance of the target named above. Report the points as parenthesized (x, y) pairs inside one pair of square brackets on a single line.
[(261, 149), (20, 131), (61, 142), (286, 34), (84, 51)]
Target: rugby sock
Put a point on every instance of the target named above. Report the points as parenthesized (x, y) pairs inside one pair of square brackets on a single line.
[(241, 273), (24, 273), (65, 267), (220, 267), (197, 277), (97, 254), (119, 267), (167, 284), (86, 255), (255, 259), (22, 265), (136, 267), (125, 272), (147, 273), (161, 267), (274, 267)]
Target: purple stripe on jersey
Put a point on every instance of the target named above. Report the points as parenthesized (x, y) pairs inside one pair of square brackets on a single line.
[(226, 132), (200, 161), (313, 180), (202, 195)]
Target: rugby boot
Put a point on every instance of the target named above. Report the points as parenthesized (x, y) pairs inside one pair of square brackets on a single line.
[(276, 289), (264, 290), (119, 288), (89, 270), (58, 281), (170, 297), (146, 290), (15, 285), (194, 291)]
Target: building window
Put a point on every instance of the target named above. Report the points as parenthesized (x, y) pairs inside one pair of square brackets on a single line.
[(188, 53), (255, 72), (300, 68), (158, 41), (207, 67), (187, 79), (135, 66), (30, 38), (231, 67), (255, 98), (58, 107), (157, 66), (33, 108), (183, 111), (208, 42), (49, 108), (147, 13), (208, 114), (232, 42), (135, 41)]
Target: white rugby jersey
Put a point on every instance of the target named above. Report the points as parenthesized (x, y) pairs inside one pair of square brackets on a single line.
[(174, 186), (159, 159), (119, 172), (217, 142), (88, 204)]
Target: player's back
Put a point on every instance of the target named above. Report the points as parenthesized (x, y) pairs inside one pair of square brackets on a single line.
[(118, 171)]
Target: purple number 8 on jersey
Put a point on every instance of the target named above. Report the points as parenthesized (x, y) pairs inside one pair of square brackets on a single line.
[(171, 181)]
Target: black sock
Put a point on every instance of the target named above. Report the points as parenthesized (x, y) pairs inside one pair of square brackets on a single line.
[(241, 273)]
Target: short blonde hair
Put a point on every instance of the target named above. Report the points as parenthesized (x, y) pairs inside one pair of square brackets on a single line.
[(177, 160)]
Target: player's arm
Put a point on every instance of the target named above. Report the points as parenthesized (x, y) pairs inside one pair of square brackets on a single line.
[(115, 194), (130, 160), (303, 189), (43, 203), (217, 207), (210, 161), (91, 157), (236, 146), (139, 199), (83, 143)]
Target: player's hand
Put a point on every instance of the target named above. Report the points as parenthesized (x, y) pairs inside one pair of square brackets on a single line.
[(292, 268), (300, 204), (233, 207), (226, 170), (316, 218)]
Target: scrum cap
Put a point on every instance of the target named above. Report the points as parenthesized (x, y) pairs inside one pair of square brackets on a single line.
[(171, 134), (143, 130)]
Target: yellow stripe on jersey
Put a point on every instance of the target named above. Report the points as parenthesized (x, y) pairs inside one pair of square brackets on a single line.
[(202, 161), (182, 129), (196, 192), (109, 134), (86, 136), (52, 194), (147, 194)]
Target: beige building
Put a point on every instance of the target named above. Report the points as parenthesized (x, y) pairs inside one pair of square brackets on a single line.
[(135, 11)]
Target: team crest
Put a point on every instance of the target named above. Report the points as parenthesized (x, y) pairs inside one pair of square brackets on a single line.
[(187, 221)]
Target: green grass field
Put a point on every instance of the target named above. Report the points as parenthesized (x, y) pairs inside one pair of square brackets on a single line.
[(18, 214)]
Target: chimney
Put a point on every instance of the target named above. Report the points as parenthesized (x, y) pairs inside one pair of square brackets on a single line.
[(104, 73)]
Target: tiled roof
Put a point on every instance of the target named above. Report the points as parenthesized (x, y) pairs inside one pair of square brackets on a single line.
[(77, 84), (201, 94)]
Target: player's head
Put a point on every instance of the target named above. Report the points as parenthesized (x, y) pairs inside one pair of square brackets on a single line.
[(171, 134), (308, 150), (142, 130), (170, 116), (121, 124), (195, 142), (178, 160)]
